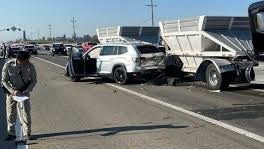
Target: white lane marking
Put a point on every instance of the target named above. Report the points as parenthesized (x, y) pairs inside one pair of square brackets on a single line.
[(42, 52), (207, 119), (190, 113), (49, 62)]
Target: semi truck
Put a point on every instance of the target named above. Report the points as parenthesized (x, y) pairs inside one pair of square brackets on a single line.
[(215, 49), (256, 16)]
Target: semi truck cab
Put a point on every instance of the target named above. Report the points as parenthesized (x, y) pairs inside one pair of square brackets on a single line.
[(256, 16)]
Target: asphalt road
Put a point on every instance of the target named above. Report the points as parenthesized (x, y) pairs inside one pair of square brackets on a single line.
[(90, 114)]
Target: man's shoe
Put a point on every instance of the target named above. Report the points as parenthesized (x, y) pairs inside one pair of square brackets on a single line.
[(10, 138), (27, 137)]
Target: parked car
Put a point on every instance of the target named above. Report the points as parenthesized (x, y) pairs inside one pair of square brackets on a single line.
[(38, 47), (118, 61), (87, 46), (31, 49), (58, 48), (10, 51), (46, 47)]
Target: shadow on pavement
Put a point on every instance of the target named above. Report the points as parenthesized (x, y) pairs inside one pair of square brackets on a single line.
[(243, 111), (109, 131), (249, 87)]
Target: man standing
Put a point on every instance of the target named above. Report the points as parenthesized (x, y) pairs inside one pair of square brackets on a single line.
[(4, 50), (19, 78)]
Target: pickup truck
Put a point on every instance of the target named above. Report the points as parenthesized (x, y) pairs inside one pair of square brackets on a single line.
[(31, 49), (58, 48)]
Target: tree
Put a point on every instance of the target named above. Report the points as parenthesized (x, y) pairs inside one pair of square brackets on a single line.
[(94, 39), (87, 38)]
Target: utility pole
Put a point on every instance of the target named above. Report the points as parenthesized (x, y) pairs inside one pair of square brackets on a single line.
[(73, 21), (50, 30), (152, 11), (38, 34)]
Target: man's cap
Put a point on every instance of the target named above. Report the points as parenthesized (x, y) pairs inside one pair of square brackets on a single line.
[(23, 55)]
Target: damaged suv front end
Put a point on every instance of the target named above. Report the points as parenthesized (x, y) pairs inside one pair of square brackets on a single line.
[(150, 61)]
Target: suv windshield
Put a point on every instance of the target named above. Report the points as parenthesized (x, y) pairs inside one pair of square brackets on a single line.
[(68, 45), (15, 48), (57, 45), (29, 46), (147, 49)]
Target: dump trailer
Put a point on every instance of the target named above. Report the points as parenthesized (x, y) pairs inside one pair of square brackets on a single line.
[(217, 50), (131, 34)]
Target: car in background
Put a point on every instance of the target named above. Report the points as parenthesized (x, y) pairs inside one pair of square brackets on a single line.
[(119, 62), (11, 51), (68, 48), (58, 48), (30, 49), (46, 47), (87, 46), (38, 47)]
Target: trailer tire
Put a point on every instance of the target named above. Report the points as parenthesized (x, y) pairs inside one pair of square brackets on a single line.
[(215, 80)]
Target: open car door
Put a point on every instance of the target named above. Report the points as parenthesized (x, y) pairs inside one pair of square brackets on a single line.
[(76, 64), (90, 61)]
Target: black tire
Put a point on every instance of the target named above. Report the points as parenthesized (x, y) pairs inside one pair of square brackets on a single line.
[(216, 80), (120, 75), (73, 78)]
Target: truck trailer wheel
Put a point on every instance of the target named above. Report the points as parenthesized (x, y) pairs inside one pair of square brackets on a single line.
[(215, 80)]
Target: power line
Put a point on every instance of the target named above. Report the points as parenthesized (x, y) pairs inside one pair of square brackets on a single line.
[(73, 21), (152, 11)]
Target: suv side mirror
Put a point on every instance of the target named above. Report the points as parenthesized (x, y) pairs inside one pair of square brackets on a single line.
[(260, 22)]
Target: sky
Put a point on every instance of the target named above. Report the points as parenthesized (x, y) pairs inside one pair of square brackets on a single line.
[(34, 16)]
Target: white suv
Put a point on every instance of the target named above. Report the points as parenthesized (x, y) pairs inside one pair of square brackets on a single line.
[(118, 61)]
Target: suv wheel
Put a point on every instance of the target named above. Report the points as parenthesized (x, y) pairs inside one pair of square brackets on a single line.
[(120, 75)]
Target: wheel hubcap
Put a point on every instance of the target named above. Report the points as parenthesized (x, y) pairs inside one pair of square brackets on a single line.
[(120, 75), (213, 77)]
